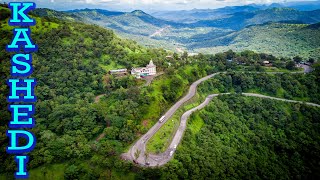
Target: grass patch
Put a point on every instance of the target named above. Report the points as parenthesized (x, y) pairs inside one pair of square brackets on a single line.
[(274, 69), (56, 172), (195, 124), (161, 140), (52, 172), (112, 65), (40, 27)]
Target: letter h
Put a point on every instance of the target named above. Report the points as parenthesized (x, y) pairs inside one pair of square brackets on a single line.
[(22, 86)]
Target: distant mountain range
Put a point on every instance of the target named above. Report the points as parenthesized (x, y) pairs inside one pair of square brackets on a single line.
[(190, 16), (194, 15), (135, 22), (238, 27), (240, 20)]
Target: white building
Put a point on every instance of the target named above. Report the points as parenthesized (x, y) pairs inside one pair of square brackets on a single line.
[(150, 70)]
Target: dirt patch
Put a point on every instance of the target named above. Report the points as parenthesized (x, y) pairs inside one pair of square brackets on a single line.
[(100, 136), (145, 123), (97, 99)]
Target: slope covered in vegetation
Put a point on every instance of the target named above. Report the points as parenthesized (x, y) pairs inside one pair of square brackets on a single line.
[(288, 35), (71, 69), (239, 137), (239, 20), (280, 39)]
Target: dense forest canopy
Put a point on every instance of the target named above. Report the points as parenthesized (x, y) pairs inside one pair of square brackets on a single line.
[(71, 69), (249, 138)]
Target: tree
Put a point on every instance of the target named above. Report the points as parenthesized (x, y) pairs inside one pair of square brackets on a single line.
[(316, 68), (137, 154), (297, 59), (72, 172), (230, 54), (184, 56), (146, 155), (175, 56), (291, 65), (311, 60)]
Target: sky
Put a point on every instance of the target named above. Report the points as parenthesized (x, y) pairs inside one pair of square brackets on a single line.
[(146, 5)]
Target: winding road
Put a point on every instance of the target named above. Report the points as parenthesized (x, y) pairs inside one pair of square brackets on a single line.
[(140, 145), (137, 152)]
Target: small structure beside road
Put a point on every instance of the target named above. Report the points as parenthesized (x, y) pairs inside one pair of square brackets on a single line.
[(149, 70), (119, 72), (267, 63)]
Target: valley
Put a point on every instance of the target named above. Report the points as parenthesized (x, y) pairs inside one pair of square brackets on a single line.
[(280, 31)]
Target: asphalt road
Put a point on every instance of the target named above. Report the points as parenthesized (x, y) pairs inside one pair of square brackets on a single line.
[(162, 158), (140, 145), (306, 68)]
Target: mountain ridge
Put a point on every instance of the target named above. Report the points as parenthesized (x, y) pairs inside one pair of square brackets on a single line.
[(208, 34)]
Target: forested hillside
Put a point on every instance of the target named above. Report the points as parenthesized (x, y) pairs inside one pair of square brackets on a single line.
[(248, 137), (280, 39), (238, 137), (135, 22), (78, 138), (239, 20), (287, 86), (237, 28), (194, 15), (69, 68)]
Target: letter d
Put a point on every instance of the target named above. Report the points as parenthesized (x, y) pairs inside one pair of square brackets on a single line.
[(14, 136)]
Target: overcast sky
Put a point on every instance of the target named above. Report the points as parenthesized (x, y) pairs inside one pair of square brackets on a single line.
[(146, 5)]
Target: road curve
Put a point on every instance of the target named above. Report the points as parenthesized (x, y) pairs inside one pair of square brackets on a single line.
[(183, 121), (140, 145), (160, 159), (280, 99)]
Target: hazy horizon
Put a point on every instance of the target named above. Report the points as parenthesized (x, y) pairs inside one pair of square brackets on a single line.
[(149, 5)]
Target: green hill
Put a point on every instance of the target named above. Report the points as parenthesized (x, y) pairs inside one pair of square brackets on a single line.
[(239, 20), (45, 12), (280, 39), (194, 15), (69, 67), (243, 29), (146, 29), (135, 22)]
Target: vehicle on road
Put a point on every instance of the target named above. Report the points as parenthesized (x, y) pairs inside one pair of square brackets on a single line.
[(162, 119), (171, 153), (175, 146)]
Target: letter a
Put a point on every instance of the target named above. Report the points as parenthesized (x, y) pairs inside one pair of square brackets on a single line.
[(21, 42)]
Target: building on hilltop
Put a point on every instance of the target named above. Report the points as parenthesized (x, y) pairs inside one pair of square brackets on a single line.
[(149, 70)]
